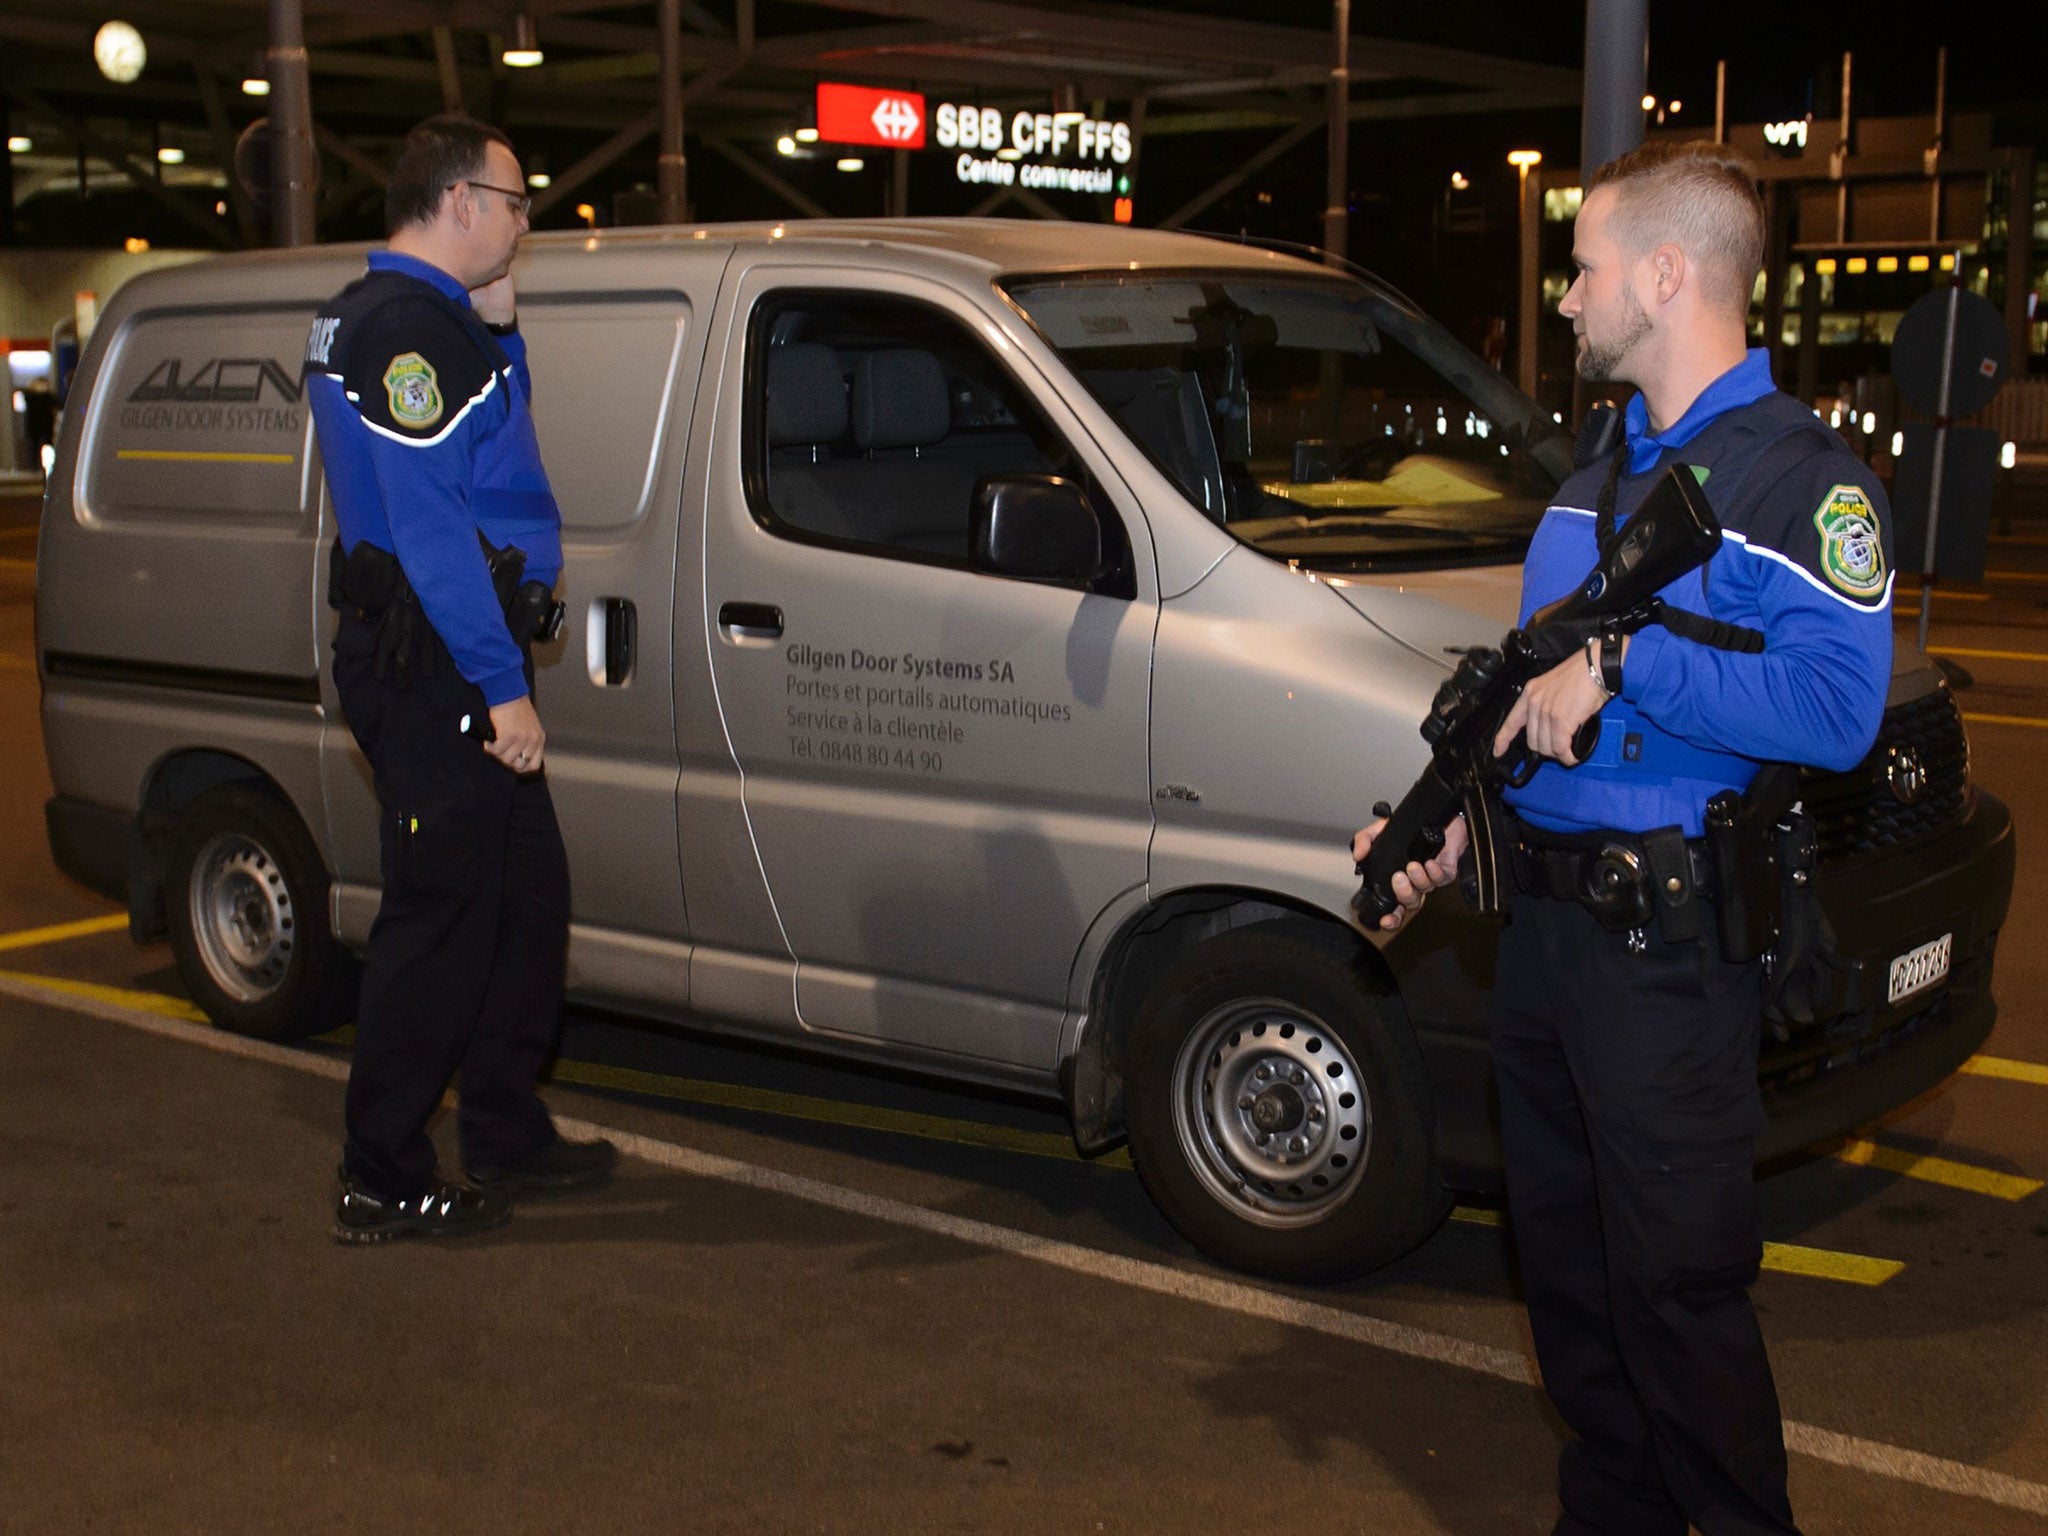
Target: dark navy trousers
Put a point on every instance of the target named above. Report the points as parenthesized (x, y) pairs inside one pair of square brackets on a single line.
[(1629, 1111), (468, 953)]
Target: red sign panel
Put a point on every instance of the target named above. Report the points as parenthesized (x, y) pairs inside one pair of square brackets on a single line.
[(858, 114)]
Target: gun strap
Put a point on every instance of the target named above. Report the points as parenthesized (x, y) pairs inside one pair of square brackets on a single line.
[(1702, 630), (1603, 509)]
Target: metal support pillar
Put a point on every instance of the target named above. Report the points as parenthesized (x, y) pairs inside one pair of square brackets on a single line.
[(247, 225), (1337, 208), (292, 167), (1617, 67), (444, 65), (6, 174), (1808, 383), (2019, 252), (671, 180), (899, 183), (1778, 203), (1529, 220)]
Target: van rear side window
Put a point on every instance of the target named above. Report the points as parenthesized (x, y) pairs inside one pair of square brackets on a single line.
[(603, 373), (202, 417)]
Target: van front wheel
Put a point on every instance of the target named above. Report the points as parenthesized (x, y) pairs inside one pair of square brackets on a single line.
[(248, 907), (1278, 1109)]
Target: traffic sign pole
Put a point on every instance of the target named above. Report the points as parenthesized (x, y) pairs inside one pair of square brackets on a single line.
[(1941, 425)]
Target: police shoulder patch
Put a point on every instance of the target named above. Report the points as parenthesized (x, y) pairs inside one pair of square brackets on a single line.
[(413, 390), (1851, 543)]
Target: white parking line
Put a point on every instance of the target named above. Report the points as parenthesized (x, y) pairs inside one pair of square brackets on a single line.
[(1851, 1451)]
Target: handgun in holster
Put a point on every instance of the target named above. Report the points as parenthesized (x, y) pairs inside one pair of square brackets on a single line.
[(532, 613)]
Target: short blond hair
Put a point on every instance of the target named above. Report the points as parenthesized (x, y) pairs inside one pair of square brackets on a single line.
[(1700, 197)]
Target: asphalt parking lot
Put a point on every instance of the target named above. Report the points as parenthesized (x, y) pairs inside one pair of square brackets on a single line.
[(825, 1300)]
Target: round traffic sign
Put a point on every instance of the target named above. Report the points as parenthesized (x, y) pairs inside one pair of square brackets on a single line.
[(1979, 354)]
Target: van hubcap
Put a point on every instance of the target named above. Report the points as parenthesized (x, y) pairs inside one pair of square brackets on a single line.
[(241, 917), (1271, 1112)]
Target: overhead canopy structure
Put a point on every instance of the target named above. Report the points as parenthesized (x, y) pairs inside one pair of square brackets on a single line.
[(745, 70)]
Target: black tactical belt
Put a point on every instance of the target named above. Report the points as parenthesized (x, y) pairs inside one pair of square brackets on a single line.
[(1625, 879)]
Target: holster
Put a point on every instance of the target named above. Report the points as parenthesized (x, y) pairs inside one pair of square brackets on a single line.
[(372, 583), (1742, 846)]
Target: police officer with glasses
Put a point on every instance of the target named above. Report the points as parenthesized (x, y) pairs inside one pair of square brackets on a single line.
[(448, 550), (1625, 1043)]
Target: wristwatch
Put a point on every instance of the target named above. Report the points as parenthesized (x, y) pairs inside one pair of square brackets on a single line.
[(1611, 643)]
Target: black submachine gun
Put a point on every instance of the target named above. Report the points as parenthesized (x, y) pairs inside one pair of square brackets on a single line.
[(1673, 532)]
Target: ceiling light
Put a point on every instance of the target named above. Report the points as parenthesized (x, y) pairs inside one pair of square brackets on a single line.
[(1649, 103), (1458, 182), (118, 50), (170, 154), (19, 145), (785, 145), (540, 180), (522, 48), (255, 85), (135, 245), (1524, 158), (806, 135), (852, 163)]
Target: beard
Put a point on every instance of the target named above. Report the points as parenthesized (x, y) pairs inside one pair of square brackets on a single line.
[(1598, 364)]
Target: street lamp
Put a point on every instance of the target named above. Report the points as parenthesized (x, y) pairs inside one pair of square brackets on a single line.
[(1524, 160), (118, 50), (522, 49)]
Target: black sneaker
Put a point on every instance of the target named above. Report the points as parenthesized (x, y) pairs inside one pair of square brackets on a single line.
[(558, 1165), (445, 1210)]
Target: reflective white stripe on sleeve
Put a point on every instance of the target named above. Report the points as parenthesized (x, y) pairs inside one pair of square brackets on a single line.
[(428, 442), (1765, 552)]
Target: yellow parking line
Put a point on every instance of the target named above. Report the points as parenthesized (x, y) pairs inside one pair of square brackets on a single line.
[(1826, 1264), (2016, 575), (1784, 1258), (28, 938), (1981, 719), (11, 564), (1787, 1258), (124, 997), (1959, 650), (1937, 1170), (19, 663), (2006, 1067), (1945, 594)]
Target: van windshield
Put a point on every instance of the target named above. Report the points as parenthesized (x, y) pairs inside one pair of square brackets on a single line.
[(1324, 422)]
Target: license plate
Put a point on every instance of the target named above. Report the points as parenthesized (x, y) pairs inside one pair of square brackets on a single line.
[(1920, 968)]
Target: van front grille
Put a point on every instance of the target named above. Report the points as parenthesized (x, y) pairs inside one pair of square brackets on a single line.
[(1867, 809)]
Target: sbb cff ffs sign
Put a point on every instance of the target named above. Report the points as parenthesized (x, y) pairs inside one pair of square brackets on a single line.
[(858, 114)]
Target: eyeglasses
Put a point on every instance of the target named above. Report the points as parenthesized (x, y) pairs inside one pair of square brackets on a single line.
[(522, 202)]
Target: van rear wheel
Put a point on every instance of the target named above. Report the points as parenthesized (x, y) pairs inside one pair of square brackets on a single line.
[(247, 894), (1278, 1110)]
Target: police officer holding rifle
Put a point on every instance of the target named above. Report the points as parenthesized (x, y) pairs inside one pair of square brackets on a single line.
[(448, 549), (1638, 865)]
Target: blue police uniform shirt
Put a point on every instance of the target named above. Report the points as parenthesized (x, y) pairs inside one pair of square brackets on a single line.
[(1805, 558), (426, 432)]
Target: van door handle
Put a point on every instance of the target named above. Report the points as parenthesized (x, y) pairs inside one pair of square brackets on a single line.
[(749, 623), (609, 635)]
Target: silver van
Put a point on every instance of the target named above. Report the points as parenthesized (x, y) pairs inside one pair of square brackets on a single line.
[(984, 639)]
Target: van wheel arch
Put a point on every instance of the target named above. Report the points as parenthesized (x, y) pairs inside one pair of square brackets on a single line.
[(172, 784), (1144, 949)]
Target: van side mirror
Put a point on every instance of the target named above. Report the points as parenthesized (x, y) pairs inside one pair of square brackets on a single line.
[(1038, 527)]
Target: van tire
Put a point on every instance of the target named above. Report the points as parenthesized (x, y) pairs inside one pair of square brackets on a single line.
[(247, 897), (1279, 1030)]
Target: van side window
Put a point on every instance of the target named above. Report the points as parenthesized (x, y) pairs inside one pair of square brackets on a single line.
[(200, 416), (617, 354), (871, 420)]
